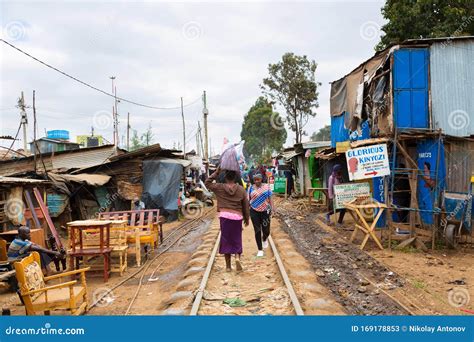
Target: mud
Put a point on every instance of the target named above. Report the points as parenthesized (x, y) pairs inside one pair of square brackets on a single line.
[(354, 278)]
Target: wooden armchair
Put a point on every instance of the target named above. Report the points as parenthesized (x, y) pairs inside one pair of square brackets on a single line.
[(39, 296)]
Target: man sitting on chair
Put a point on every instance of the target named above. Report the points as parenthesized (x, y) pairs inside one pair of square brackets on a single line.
[(22, 246)]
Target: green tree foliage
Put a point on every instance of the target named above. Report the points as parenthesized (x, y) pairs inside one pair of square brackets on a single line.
[(143, 140), (413, 19), (292, 83), (261, 131), (324, 134)]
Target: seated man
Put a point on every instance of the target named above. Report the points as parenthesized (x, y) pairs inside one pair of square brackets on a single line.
[(22, 246)]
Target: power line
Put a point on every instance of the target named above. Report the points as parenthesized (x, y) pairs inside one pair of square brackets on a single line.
[(95, 88)]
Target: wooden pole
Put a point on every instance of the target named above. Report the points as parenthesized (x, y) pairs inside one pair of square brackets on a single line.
[(205, 111), (128, 131), (184, 130), (34, 126)]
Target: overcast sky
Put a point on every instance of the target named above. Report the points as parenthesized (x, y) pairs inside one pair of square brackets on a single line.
[(160, 51)]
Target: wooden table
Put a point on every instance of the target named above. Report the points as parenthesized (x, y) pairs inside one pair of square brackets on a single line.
[(311, 192), (80, 248), (358, 206)]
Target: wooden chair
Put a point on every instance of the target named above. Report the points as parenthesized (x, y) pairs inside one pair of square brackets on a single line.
[(144, 229), (7, 273), (38, 296)]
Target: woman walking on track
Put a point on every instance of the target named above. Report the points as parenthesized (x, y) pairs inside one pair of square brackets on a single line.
[(261, 207), (233, 208)]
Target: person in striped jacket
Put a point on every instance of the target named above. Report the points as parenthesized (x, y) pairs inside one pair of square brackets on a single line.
[(261, 208)]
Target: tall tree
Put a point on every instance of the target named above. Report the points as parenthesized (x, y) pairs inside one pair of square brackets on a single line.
[(292, 83), (262, 131), (412, 19), (139, 141), (324, 134)]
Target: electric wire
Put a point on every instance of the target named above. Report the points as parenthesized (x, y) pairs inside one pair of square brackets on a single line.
[(95, 88)]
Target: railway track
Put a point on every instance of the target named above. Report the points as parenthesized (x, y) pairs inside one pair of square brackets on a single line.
[(169, 241), (281, 268)]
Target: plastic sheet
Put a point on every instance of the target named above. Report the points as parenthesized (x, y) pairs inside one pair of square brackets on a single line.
[(161, 182)]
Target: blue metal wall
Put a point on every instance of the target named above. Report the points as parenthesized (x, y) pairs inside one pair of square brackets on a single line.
[(410, 75), (340, 133)]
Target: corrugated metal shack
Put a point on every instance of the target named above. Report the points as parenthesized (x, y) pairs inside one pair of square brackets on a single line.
[(82, 182), (419, 96)]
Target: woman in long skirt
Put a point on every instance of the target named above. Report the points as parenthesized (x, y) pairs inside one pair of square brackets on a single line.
[(233, 208)]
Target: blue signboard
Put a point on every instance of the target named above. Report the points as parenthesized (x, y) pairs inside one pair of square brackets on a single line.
[(431, 177)]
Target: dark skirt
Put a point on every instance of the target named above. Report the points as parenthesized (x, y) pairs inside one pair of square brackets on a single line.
[(231, 236)]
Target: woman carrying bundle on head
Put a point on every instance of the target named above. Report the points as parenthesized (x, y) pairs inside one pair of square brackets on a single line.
[(233, 208)]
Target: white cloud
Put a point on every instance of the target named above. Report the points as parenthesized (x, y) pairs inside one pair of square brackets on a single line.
[(145, 47)]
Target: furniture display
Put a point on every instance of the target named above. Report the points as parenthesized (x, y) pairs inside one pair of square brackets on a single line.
[(39, 296)]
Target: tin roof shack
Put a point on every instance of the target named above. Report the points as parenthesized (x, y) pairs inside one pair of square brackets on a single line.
[(45, 145), (14, 210), (309, 172), (150, 173), (63, 189), (418, 95)]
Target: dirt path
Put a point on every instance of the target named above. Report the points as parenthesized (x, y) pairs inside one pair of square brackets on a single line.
[(261, 284), (381, 282), (357, 281)]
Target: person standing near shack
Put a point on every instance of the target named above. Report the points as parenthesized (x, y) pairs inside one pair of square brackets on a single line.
[(233, 208), (261, 207), (334, 179)]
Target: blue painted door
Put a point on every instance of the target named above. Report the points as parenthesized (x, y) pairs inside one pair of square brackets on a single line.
[(410, 75)]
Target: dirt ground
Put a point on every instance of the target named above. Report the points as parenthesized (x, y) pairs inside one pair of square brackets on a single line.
[(261, 286), (168, 270), (380, 282)]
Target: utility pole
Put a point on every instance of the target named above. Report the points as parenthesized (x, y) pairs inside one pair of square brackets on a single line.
[(184, 130), (114, 111), (128, 131), (206, 145), (34, 126), (24, 121)]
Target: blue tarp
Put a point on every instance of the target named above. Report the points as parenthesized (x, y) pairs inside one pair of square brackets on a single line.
[(161, 182), (430, 182)]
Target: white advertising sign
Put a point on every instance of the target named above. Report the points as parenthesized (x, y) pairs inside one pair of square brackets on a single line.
[(344, 193), (367, 162)]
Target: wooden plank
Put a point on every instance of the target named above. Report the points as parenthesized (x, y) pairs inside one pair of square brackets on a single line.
[(29, 202), (45, 212)]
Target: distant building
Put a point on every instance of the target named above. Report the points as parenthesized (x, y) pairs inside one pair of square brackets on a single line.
[(46, 145), (89, 141)]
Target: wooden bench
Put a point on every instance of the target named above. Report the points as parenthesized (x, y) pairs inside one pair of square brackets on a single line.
[(144, 227)]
